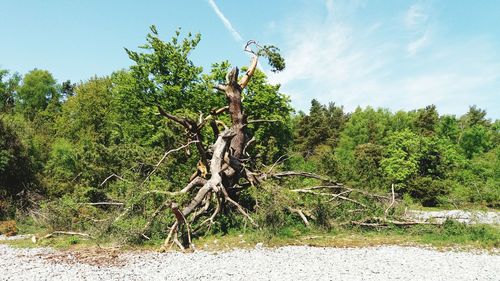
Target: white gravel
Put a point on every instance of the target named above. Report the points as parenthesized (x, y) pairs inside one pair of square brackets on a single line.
[(467, 217), (287, 263)]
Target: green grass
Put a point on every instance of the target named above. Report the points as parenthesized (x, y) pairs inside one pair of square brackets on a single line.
[(449, 235)]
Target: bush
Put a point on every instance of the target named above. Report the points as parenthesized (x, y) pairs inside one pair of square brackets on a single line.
[(428, 190)]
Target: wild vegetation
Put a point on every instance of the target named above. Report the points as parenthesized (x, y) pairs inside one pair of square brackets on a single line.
[(166, 150)]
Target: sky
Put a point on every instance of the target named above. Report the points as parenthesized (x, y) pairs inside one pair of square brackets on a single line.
[(400, 55)]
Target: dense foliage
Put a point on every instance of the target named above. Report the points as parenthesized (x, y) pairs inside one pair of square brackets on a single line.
[(97, 141), (433, 160)]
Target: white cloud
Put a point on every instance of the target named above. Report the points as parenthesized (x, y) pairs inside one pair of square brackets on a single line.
[(419, 43), (415, 16), (342, 62), (225, 21), (416, 20)]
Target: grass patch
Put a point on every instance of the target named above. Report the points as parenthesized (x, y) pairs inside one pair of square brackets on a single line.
[(449, 235)]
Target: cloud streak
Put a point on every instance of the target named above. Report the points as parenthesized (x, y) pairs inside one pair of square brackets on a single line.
[(236, 35), (382, 65)]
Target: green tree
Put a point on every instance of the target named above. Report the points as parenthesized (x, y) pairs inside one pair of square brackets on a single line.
[(165, 74), (401, 161), (475, 116), (475, 140), (166, 78), (16, 168), (364, 126), (426, 120), (367, 165), (321, 127), (264, 102), (36, 91), (448, 128), (8, 87)]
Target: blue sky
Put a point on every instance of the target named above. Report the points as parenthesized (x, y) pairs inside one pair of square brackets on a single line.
[(393, 54)]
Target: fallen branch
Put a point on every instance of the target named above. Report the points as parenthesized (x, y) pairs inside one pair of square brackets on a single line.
[(392, 202), (297, 174), (300, 213), (111, 176), (163, 158), (103, 203), (67, 233), (386, 222), (153, 216), (334, 195)]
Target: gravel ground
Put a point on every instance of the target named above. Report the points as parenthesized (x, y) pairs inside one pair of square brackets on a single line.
[(287, 263)]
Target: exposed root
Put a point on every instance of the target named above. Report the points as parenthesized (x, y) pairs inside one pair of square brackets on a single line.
[(210, 220), (238, 207)]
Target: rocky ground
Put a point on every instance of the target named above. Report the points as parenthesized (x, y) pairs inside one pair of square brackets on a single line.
[(286, 263), (467, 217)]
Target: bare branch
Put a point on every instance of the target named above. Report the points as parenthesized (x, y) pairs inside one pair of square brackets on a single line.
[(103, 203), (385, 222), (300, 213), (213, 114), (333, 196), (67, 233), (153, 216), (299, 174), (248, 44), (251, 69), (279, 161), (163, 158), (180, 120), (221, 88), (263, 120), (392, 202), (252, 140), (238, 207), (111, 176)]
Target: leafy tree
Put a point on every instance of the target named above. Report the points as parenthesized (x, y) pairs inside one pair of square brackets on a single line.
[(166, 78), (67, 89), (364, 126), (8, 89), (16, 169), (402, 120), (86, 130), (427, 190), (321, 127), (401, 161), (264, 102), (475, 139), (448, 128), (37, 90), (426, 120), (367, 165), (475, 116), (165, 74)]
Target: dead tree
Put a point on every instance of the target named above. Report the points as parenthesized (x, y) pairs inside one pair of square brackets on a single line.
[(223, 167), (223, 162)]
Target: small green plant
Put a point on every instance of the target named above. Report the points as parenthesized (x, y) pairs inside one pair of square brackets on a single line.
[(73, 240)]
